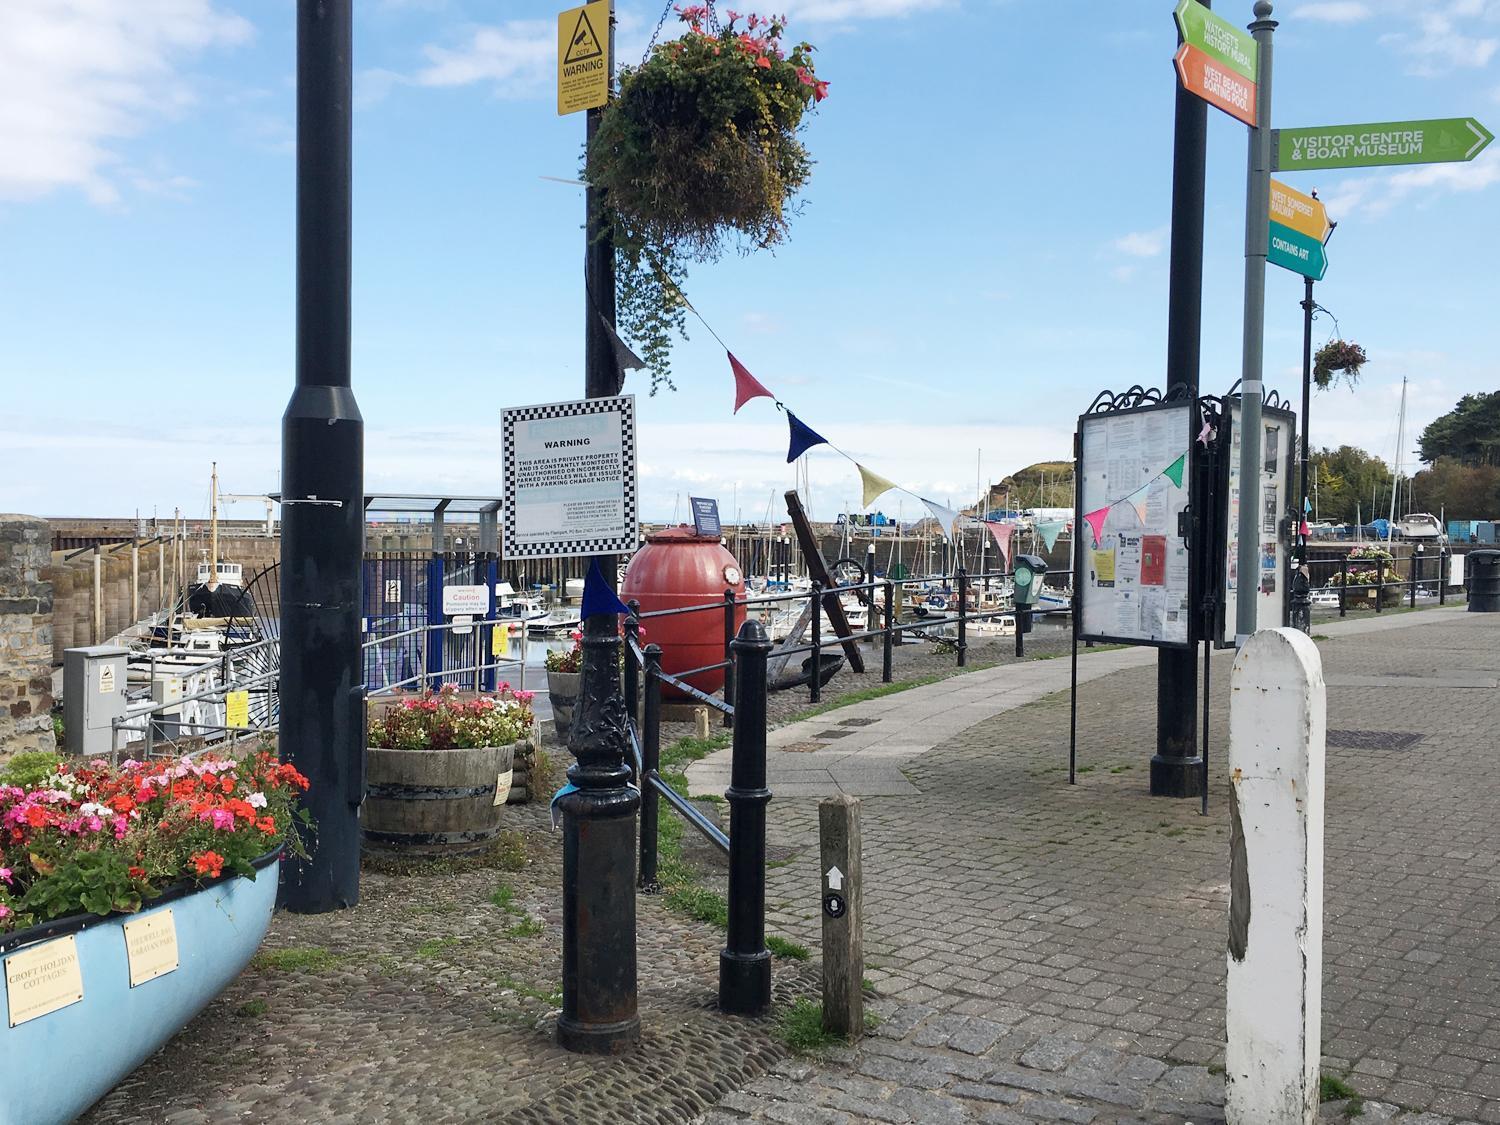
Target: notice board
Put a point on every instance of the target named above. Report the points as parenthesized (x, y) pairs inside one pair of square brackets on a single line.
[(1132, 572), (570, 478), (1275, 523)]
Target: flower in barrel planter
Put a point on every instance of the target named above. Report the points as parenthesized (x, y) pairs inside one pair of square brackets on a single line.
[(95, 838), (1338, 358), (439, 770), (697, 152)]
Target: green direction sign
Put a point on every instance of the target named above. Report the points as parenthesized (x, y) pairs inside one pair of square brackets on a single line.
[(1441, 141), (1216, 37), (1301, 253)]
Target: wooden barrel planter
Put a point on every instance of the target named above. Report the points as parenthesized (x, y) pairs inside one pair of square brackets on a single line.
[(436, 802)]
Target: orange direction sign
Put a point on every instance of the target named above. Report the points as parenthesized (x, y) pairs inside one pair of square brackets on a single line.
[(1300, 212), (583, 57), (1216, 83)]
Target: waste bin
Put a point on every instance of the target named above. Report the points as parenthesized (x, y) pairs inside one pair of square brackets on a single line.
[(1483, 569)]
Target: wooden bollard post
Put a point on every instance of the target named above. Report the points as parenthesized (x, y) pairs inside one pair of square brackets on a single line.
[(843, 916), (1273, 1015)]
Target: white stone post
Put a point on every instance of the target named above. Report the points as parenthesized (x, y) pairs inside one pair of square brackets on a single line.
[(1277, 723)]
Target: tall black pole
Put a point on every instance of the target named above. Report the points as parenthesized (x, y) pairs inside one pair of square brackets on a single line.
[(1176, 767), (322, 483), (1299, 589), (600, 1013)]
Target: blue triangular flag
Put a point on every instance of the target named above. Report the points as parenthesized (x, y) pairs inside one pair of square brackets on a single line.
[(597, 596), (803, 438), (1306, 505)]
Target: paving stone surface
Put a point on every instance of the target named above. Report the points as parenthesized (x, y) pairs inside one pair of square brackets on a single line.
[(1088, 920)]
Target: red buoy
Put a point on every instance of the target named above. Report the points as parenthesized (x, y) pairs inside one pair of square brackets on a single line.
[(677, 567)]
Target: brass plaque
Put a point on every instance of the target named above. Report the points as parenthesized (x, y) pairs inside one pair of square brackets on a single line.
[(151, 946), (42, 979)]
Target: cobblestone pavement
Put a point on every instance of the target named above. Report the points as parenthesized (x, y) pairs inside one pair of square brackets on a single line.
[(434, 1003), (1092, 916)]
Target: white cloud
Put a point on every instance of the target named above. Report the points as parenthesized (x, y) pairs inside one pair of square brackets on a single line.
[(1143, 243), (838, 11), (1333, 11), (78, 76), (1439, 47), (515, 57), (1374, 195)]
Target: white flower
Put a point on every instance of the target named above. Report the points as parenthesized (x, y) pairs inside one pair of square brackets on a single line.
[(256, 800)]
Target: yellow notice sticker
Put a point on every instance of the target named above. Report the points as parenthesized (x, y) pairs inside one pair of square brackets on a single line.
[(502, 786), (583, 57), (1104, 567), (42, 979), (237, 709), (151, 946)]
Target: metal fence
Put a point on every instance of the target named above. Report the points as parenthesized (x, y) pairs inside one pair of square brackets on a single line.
[(1360, 580)]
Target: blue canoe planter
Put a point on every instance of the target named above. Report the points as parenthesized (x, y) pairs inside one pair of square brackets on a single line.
[(76, 1025)]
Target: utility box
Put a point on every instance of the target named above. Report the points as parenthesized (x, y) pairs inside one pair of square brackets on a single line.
[(93, 698)]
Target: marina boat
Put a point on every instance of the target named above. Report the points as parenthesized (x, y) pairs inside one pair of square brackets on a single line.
[(220, 587), (1326, 598), (1003, 626), (1052, 600), (1421, 526), (511, 606), (558, 620)]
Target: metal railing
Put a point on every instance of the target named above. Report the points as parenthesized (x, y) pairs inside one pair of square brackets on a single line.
[(479, 674), (1371, 582)]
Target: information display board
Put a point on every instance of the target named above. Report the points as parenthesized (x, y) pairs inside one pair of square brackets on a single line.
[(570, 478), (1274, 500), (1132, 567)]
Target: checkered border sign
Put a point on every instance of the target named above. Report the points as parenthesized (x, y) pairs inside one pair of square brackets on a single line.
[(624, 405)]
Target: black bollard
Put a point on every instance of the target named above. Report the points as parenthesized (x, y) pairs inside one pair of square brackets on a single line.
[(599, 1015), (745, 963), (650, 763)]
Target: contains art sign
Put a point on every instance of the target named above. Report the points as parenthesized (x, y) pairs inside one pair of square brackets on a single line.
[(42, 979), (570, 482)]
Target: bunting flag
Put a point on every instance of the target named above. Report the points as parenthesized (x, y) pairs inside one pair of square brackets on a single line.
[(597, 596), (1095, 520), (1304, 530), (875, 486), (1137, 501), (947, 518), (1206, 432), (1001, 533), (1173, 472), (803, 438), (1049, 530), (625, 357), (1306, 505), (746, 385)]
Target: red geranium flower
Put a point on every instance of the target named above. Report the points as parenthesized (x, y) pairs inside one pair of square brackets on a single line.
[(208, 863)]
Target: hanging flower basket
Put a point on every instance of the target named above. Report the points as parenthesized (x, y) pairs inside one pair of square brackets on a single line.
[(699, 152), (1338, 358)]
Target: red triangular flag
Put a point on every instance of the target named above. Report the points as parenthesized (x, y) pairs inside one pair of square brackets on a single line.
[(746, 385)]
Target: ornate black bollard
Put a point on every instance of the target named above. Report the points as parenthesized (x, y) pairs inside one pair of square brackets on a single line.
[(745, 963), (650, 763), (599, 1013)]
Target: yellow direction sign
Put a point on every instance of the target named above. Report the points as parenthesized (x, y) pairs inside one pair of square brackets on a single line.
[(583, 57), (1301, 212)]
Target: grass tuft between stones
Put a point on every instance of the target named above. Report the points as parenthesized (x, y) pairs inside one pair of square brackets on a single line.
[(252, 1009), (299, 959), (800, 1027), (1332, 1088), (781, 947)]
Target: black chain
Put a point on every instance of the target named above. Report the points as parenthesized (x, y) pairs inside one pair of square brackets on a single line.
[(713, 23)]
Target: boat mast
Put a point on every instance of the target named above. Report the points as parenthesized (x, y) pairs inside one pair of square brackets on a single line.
[(213, 528), (981, 506), (1396, 463)]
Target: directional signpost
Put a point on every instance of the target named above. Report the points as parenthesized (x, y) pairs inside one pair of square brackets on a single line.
[(1444, 140), (1299, 227), (1216, 60)]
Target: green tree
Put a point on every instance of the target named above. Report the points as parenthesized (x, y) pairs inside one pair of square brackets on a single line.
[(1461, 492), (1469, 433), (1347, 478)]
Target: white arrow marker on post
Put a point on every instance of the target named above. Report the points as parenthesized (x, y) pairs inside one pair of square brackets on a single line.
[(835, 879)]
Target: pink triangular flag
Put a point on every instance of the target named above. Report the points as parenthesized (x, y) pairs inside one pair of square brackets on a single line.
[(1001, 533), (1304, 530), (746, 385), (1095, 520)]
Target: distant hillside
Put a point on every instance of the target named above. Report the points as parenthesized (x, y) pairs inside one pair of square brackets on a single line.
[(1047, 484)]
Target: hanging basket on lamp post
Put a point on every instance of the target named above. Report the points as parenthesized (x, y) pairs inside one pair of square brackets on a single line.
[(698, 152), (1338, 359)]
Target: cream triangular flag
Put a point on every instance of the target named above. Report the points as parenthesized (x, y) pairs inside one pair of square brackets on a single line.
[(875, 485)]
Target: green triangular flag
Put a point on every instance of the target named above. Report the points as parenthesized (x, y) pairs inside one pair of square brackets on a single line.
[(1174, 471)]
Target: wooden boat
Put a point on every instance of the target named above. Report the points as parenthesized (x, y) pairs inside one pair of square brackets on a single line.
[(89, 999)]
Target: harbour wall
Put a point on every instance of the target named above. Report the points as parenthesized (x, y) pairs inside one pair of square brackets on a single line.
[(25, 635)]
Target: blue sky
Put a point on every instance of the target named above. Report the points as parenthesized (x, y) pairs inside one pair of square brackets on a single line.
[(982, 250)]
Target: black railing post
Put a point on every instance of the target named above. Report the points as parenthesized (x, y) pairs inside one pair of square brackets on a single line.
[(815, 687), (729, 604), (1379, 585), (745, 963), (1344, 587), (650, 764), (1411, 575), (1442, 578), (632, 673), (963, 617), (890, 631)]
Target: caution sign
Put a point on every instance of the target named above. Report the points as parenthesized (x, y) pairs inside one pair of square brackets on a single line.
[(583, 57), (236, 709)]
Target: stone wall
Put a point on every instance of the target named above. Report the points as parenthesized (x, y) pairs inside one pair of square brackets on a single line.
[(25, 635)]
